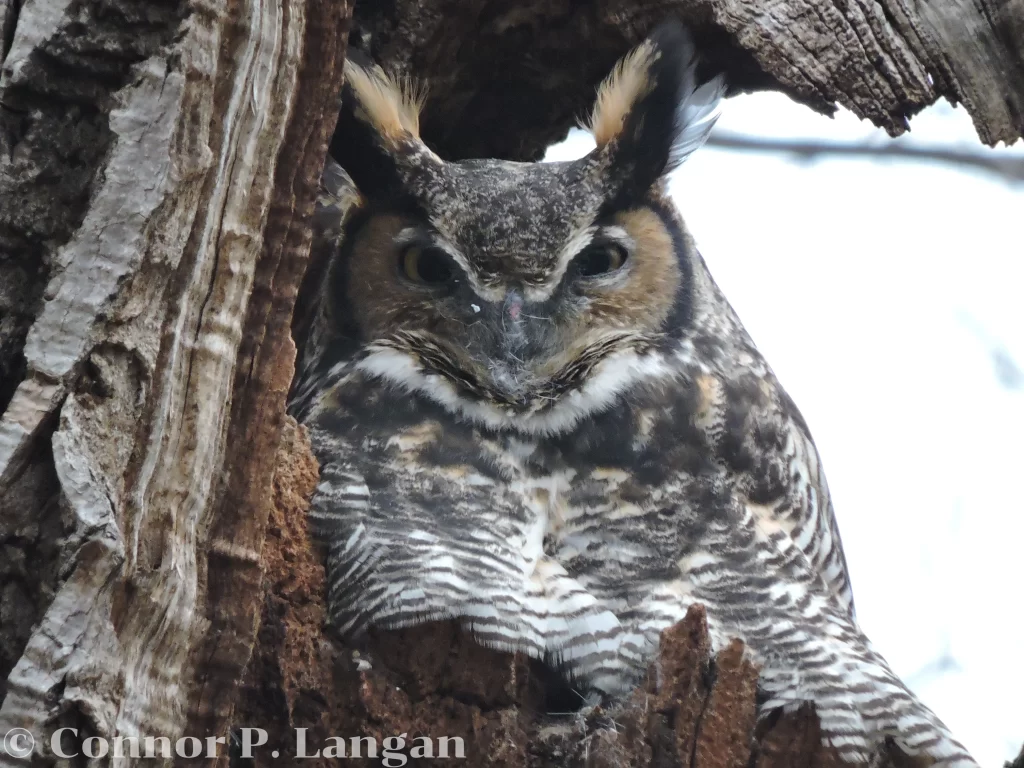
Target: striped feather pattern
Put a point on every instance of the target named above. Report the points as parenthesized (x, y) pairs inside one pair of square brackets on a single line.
[(626, 476), (582, 548)]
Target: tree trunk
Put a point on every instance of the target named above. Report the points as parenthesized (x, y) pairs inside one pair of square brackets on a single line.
[(158, 170)]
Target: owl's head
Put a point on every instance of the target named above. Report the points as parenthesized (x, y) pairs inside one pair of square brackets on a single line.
[(521, 295)]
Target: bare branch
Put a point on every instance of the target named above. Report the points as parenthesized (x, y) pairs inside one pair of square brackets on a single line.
[(1008, 167)]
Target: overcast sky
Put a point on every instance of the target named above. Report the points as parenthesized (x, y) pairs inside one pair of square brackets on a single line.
[(886, 296)]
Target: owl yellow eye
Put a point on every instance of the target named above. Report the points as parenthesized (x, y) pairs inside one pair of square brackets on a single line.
[(600, 259), (428, 266)]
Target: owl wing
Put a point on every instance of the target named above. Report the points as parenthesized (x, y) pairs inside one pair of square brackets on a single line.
[(758, 582), (762, 439), (763, 556), (807, 505)]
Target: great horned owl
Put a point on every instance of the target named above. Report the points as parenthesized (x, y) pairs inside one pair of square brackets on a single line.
[(535, 412)]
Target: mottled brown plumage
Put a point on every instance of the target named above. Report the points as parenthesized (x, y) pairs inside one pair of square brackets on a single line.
[(535, 411)]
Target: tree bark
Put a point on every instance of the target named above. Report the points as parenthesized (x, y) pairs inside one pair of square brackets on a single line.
[(158, 173), (158, 169), (508, 79)]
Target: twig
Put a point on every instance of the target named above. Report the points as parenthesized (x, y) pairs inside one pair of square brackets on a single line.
[(1008, 167)]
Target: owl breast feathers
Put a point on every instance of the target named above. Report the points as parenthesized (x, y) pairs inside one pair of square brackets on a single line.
[(536, 413)]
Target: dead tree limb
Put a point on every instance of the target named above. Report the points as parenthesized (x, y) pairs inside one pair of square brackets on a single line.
[(509, 79)]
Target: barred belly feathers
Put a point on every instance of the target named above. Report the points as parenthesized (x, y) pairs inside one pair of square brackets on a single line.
[(535, 412)]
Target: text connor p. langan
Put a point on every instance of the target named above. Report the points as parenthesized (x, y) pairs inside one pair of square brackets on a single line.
[(393, 751)]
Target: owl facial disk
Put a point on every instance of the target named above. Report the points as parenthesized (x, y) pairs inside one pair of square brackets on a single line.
[(501, 341), (516, 284)]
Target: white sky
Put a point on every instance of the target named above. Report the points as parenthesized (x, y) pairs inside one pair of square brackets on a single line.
[(881, 292)]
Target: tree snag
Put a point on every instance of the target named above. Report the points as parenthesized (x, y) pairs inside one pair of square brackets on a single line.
[(158, 169)]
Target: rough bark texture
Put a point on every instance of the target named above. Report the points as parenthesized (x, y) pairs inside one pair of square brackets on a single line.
[(508, 79), (158, 164), (158, 168)]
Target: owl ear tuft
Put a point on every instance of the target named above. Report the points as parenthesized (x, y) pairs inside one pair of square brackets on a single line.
[(650, 113), (377, 131), (390, 105)]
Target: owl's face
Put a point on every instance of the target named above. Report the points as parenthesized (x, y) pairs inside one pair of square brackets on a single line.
[(508, 289)]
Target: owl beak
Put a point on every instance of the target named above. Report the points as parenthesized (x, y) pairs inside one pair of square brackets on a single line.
[(513, 322), (513, 305)]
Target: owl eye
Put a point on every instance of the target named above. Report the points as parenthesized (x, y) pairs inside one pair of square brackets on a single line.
[(425, 265), (600, 259)]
